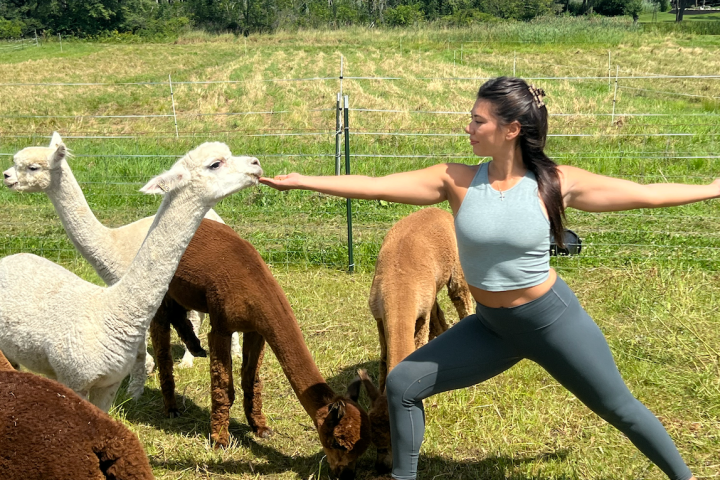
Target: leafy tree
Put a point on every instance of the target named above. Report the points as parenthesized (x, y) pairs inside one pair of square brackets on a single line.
[(618, 7), (11, 28), (403, 15), (467, 17), (517, 9), (680, 6)]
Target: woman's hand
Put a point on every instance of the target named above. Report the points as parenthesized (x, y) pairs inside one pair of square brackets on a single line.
[(282, 182), (716, 183)]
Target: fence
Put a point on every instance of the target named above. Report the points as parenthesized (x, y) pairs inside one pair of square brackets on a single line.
[(304, 228), (18, 44)]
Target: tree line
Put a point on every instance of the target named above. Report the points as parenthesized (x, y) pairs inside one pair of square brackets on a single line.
[(87, 18)]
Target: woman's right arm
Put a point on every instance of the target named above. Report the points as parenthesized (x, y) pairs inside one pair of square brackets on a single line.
[(417, 187)]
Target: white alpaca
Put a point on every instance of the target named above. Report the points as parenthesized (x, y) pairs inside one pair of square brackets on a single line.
[(86, 336), (109, 250)]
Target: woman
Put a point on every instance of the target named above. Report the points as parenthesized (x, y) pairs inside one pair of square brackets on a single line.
[(504, 213)]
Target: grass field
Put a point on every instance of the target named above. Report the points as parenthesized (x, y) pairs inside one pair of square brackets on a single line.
[(712, 15), (649, 278)]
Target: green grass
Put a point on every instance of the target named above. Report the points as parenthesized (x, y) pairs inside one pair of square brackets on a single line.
[(660, 325), (649, 278)]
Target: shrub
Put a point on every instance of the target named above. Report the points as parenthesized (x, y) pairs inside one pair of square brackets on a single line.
[(404, 15), (517, 9), (11, 28), (467, 17)]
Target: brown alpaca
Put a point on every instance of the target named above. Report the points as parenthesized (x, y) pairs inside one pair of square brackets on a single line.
[(417, 258), (224, 276), (48, 432)]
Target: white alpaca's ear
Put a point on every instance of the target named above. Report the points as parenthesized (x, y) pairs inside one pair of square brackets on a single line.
[(59, 150), (166, 181), (56, 141)]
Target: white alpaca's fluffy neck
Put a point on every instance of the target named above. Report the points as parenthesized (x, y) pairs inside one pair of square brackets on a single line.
[(90, 237), (138, 294)]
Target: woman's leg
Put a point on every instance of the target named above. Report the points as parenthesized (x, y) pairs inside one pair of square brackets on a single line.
[(574, 351), (467, 354)]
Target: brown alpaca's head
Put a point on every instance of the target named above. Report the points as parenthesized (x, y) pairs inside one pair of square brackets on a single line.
[(344, 430), (379, 424)]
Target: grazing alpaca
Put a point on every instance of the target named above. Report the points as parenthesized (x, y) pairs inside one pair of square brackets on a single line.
[(48, 432), (110, 251), (417, 258), (224, 275), (86, 336)]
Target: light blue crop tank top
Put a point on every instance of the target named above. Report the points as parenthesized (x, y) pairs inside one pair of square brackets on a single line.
[(503, 237)]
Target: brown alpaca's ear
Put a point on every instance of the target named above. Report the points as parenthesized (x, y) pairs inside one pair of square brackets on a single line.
[(336, 411), (370, 387), (353, 390)]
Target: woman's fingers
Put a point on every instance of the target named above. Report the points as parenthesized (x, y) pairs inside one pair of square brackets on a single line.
[(280, 182)]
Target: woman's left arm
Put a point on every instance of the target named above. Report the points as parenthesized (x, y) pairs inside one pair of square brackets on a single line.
[(597, 193)]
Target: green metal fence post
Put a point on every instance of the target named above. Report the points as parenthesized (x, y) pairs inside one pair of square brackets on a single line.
[(338, 134)]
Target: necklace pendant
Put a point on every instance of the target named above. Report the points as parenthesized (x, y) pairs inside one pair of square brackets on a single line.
[(502, 196)]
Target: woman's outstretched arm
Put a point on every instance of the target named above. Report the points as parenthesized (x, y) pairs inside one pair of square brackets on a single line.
[(418, 187), (597, 193)]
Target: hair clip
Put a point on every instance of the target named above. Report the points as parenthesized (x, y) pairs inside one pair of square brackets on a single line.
[(538, 94)]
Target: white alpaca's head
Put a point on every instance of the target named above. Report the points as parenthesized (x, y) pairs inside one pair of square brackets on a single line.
[(32, 166), (210, 171)]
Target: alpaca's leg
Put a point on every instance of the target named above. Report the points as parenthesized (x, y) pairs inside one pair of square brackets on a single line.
[(222, 391), (138, 374), (252, 355), (422, 329), (183, 323), (160, 336), (459, 294), (196, 319), (382, 368), (437, 322), (103, 397), (235, 349), (149, 360)]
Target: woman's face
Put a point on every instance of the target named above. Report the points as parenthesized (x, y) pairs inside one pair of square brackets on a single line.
[(487, 137)]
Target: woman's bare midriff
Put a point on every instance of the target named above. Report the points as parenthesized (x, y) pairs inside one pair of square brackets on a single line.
[(513, 298)]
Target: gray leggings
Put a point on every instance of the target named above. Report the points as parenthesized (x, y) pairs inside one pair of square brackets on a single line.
[(555, 332)]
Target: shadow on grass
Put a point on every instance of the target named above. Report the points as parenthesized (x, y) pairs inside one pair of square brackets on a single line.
[(195, 422), (272, 462)]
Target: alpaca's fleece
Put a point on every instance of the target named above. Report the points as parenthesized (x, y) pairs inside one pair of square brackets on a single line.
[(418, 257), (86, 353), (224, 275), (86, 336), (110, 251), (48, 432)]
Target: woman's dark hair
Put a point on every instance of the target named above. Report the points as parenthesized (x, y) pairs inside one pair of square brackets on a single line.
[(513, 99)]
